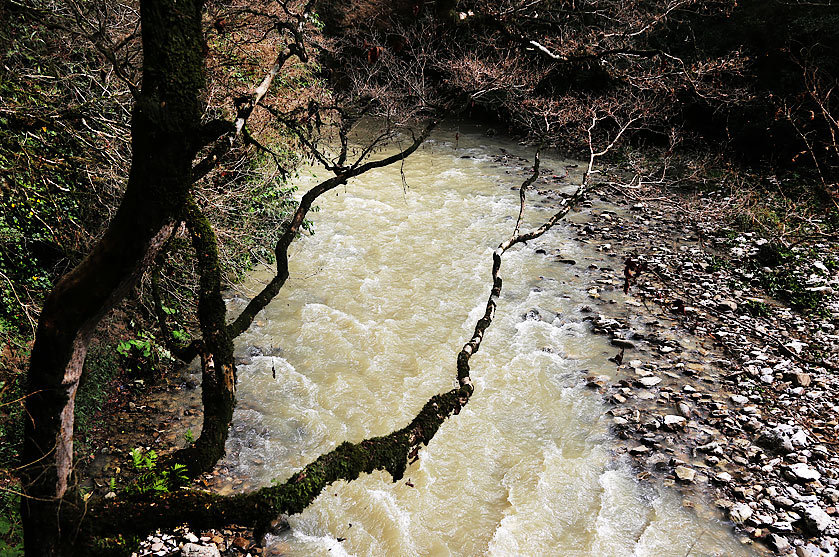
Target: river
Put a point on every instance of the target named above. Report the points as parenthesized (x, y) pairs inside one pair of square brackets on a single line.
[(379, 301)]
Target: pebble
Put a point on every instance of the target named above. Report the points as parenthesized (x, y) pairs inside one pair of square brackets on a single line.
[(685, 474)]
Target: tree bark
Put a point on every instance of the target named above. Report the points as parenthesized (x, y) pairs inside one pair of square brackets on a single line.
[(165, 118)]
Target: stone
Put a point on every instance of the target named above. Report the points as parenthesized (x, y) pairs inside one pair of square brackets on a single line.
[(808, 550), (784, 526), (778, 543), (727, 305), (722, 477), (685, 474), (783, 438), (658, 461), (739, 399), (674, 422), (650, 381), (195, 550), (804, 473), (740, 512), (815, 519), (795, 346), (622, 343), (532, 315)]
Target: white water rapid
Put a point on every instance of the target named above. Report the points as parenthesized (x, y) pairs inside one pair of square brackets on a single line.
[(379, 301)]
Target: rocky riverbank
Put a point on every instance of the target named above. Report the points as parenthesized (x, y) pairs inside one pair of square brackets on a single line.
[(722, 388)]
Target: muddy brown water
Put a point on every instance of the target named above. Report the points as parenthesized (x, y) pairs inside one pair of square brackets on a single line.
[(379, 301)]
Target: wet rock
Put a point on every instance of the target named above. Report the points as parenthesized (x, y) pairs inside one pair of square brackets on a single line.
[(783, 526), (739, 399), (722, 478), (727, 305), (782, 439), (808, 550), (532, 315), (240, 543), (279, 525), (796, 346), (650, 381), (658, 461)]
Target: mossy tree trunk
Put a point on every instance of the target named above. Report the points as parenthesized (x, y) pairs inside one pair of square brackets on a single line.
[(165, 118), (218, 370)]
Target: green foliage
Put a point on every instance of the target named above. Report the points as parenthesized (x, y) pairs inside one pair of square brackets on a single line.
[(53, 194), (718, 264), (143, 356), (11, 530), (11, 415), (780, 276), (143, 461), (189, 437), (152, 480), (260, 217), (756, 308), (787, 285)]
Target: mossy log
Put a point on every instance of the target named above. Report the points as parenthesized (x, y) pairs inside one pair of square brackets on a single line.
[(141, 515)]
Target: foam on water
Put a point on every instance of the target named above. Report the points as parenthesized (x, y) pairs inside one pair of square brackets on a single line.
[(378, 304)]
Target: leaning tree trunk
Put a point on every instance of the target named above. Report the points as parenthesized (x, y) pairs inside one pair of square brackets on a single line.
[(165, 120)]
